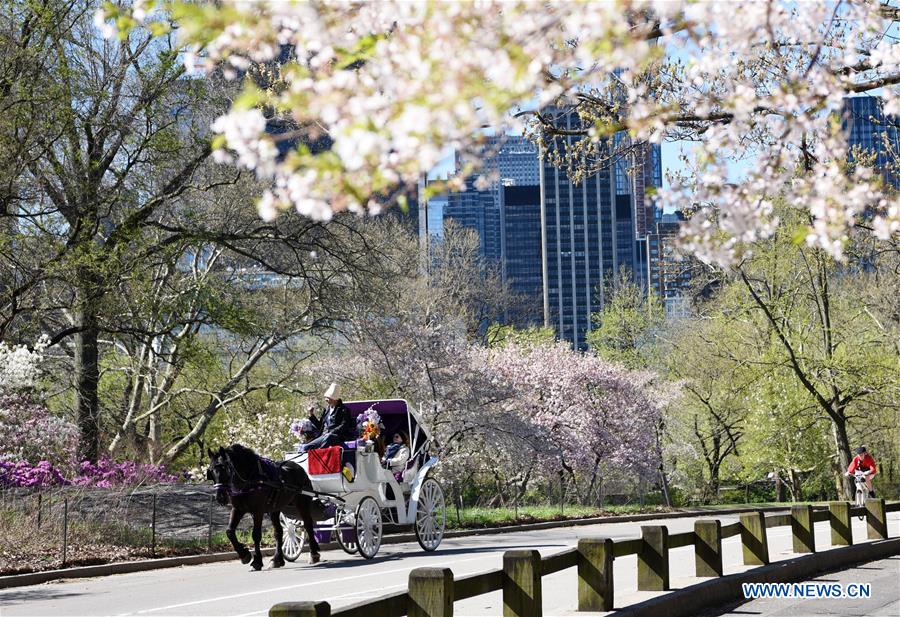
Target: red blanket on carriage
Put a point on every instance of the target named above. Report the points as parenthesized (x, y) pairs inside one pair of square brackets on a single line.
[(325, 460)]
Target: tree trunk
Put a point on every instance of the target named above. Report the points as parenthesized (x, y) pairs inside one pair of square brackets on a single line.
[(712, 487), (779, 487), (660, 430), (589, 493), (665, 484), (842, 446), (87, 377), (796, 494)]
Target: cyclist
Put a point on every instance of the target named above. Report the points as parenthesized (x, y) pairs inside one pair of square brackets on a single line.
[(864, 462)]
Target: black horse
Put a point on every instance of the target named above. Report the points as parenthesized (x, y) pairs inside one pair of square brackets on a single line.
[(251, 483)]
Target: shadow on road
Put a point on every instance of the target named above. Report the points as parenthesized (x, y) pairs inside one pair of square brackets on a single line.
[(346, 563), (33, 594)]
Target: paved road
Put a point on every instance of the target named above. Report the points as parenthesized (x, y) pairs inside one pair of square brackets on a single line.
[(883, 576), (230, 589)]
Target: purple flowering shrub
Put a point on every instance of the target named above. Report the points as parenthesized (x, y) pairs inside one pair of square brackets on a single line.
[(105, 473), (29, 432), (21, 473)]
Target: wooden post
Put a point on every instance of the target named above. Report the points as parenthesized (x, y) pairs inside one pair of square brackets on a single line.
[(431, 592), (595, 574), (209, 532), (803, 529), (753, 539), (522, 584), (708, 547), (153, 528), (839, 516), (65, 530), (39, 509), (875, 519), (301, 609), (653, 559)]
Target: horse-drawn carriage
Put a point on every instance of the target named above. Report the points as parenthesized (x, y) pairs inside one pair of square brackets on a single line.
[(356, 497)]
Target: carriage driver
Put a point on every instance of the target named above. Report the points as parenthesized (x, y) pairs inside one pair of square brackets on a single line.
[(336, 425)]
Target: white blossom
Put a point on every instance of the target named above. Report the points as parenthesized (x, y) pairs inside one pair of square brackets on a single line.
[(394, 83), (20, 367)]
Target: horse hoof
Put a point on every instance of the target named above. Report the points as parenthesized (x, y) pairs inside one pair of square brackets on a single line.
[(278, 563), (314, 558), (256, 567), (245, 559)]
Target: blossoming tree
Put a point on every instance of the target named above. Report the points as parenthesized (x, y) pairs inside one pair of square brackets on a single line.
[(598, 418), (38, 448), (393, 83), (28, 431)]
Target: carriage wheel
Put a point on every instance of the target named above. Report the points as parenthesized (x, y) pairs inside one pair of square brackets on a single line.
[(293, 537), (343, 526), (431, 515), (368, 527)]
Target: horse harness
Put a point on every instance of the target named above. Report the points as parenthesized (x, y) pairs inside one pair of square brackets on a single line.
[(270, 477)]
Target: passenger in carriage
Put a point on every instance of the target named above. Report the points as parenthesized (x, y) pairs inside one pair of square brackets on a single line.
[(336, 425), (397, 454)]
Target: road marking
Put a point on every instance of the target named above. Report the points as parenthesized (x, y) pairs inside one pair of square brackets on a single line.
[(346, 595), (262, 591)]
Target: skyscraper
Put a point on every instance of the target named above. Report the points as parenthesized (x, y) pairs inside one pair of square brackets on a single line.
[(636, 174), (590, 231), (874, 132), (520, 252), (669, 274), (508, 160), (478, 210)]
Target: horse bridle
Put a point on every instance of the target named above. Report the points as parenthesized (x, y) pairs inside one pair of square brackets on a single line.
[(248, 486), (233, 490)]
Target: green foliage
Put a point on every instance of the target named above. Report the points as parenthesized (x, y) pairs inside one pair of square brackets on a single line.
[(499, 335), (790, 352), (625, 330)]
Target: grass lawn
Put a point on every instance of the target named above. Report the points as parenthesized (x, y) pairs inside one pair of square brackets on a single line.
[(469, 518), (494, 517), (762, 504)]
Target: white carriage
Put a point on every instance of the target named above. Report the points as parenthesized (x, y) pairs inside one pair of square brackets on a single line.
[(355, 511)]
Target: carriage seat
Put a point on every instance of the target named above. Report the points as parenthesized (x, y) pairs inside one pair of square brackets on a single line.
[(348, 453), (408, 475)]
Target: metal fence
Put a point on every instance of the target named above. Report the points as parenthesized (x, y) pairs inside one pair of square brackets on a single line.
[(43, 528)]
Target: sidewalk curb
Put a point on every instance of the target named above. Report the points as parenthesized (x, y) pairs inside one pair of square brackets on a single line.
[(623, 518), (718, 592), (125, 567)]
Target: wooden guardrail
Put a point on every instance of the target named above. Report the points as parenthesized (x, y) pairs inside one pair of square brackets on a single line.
[(432, 591)]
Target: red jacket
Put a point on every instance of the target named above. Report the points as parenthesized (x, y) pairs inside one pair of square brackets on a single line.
[(864, 462)]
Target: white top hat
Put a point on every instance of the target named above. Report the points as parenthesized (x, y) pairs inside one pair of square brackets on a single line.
[(333, 392)]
